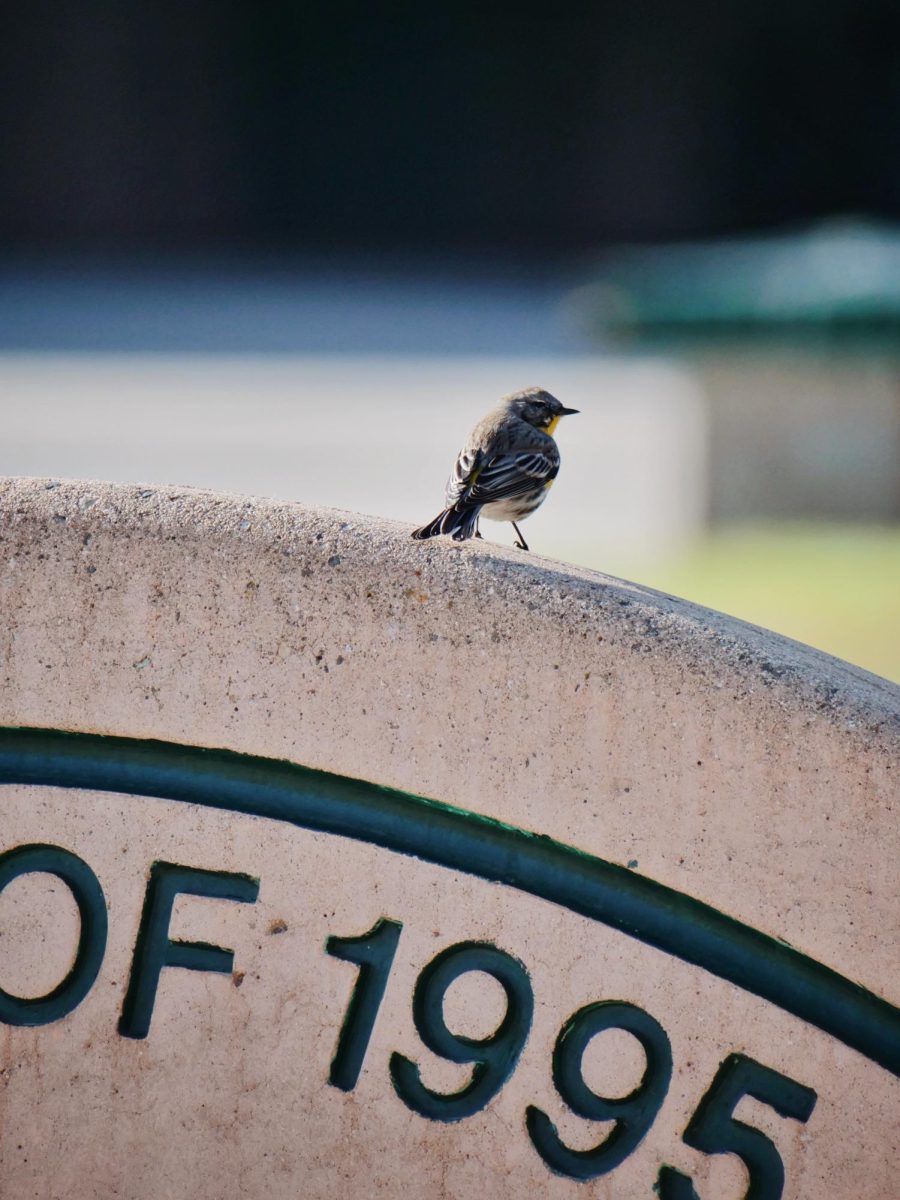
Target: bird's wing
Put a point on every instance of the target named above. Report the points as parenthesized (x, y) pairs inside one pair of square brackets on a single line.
[(513, 473), (464, 475)]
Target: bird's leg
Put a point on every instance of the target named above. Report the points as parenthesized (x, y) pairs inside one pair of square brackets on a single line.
[(477, 530), (521, 544)]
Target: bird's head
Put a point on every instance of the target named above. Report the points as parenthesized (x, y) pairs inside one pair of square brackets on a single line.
[(538, 408)]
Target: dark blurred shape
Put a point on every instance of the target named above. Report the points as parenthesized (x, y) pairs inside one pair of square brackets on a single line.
[(131, 125)]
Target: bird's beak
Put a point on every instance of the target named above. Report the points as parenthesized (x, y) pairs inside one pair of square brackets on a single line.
[(568, 412)]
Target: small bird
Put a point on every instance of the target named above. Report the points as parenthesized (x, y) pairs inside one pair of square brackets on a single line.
[(505, 469)]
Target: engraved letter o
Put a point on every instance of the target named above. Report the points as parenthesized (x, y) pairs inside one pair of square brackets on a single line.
[(85, 887)]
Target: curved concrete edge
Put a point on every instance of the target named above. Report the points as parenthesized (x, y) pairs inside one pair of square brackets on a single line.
[(723, 651)]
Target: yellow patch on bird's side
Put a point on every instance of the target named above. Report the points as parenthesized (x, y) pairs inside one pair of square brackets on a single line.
[(548, 485)]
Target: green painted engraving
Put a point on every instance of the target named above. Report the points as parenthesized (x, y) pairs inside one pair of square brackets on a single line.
[(373, 953), (463, 841), (633, 1114), (494, 1057), (155, 950), (672, 1184), (88, 894), (714, 1130)]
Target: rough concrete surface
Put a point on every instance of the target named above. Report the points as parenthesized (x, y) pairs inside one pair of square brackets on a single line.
[(720, 760)]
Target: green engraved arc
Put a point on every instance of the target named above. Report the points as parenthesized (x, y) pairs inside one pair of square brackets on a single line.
[(464, 841)]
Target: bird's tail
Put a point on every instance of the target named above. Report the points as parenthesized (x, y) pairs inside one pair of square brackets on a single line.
[(461, 524)]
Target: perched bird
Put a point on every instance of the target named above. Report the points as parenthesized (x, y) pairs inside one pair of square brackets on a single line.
[(505, 469)]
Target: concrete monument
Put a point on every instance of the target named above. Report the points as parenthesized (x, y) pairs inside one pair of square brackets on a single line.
[(334, 864)]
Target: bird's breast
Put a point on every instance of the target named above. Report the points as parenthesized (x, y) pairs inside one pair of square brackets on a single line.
[(515, 508)]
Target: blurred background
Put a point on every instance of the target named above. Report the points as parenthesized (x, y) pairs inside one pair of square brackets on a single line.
[(298, 249)]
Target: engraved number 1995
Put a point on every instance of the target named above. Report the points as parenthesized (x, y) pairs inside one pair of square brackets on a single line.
[(712, 1129)]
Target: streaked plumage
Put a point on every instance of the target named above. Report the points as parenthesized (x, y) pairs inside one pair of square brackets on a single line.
[(505, 468)]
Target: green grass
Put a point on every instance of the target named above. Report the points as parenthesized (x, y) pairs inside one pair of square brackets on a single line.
[(836, 587)]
